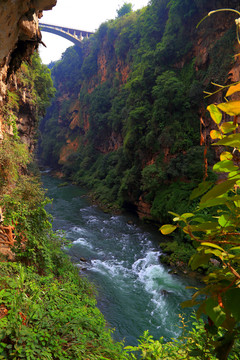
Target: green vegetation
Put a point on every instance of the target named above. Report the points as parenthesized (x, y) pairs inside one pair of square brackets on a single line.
[(130, 99), (52, 316), (196, 344), (216, 232), (47, 310), (126, 8), (137, 133), (138, 90)]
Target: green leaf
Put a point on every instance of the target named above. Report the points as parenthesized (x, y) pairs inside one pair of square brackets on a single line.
[(231, 300), (218, 190), (235, 248), (230, 140), (214, 202), (237, 203), (201, 189), (224, 220), (215, 312), (187, 215), (231, 107), (199, 259), (212, 245), (216, 115), (167, 229), (206, 226), (199, 219), (215, 252), (234, 175), (225, 166), (172, 213), (228, 127)]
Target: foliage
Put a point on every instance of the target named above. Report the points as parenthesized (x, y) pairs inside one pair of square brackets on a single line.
[(194, 344), (217, 231), (51, 318), (35, 80), (43, 84), (14, 157), (126, 8), (176, 252), (138, 98), (10, 108)]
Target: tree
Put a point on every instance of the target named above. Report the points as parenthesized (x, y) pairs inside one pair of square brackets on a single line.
[(126, 8)]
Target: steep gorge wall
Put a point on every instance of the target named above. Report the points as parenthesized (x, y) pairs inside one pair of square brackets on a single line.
[(19, 38), (130, 101)]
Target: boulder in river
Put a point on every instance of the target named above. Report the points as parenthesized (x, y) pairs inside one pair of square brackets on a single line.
[(164, 292)]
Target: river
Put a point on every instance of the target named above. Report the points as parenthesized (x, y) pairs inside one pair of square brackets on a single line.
[(135, 292)]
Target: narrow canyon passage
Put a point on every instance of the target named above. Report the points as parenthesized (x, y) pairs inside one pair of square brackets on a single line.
[(135, 292)]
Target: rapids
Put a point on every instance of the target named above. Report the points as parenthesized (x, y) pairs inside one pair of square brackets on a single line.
[(135, 292)]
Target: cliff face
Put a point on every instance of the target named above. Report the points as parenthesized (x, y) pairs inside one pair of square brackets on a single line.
[(19, 110), (130, 102), (19, 37)]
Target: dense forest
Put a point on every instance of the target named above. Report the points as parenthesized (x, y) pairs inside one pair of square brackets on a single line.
[(125, 123)]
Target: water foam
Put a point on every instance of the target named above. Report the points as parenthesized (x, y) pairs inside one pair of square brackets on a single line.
[(83, 242), (160, 286), (78, 230), (112, 268)]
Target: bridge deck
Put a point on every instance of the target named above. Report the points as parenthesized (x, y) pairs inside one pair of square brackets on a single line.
[(79, 34)]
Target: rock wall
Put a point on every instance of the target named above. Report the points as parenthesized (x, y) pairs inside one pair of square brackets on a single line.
[(19, 37)]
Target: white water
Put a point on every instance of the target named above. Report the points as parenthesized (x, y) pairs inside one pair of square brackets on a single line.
[(135, 292)]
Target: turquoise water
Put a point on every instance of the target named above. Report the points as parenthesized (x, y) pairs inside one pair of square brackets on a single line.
[(135, 292)]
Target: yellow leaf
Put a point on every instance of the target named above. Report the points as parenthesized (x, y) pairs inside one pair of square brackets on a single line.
[(231, 108), (233, 89), (167, 229), (215, 134), (226, 156)]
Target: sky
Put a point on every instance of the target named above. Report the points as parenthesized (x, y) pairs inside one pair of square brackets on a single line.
[(78, 14)]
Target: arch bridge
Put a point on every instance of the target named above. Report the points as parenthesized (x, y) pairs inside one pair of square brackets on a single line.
[(74, 35)]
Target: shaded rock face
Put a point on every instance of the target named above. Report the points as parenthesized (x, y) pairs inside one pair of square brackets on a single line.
[(19, 22), (19, 37)]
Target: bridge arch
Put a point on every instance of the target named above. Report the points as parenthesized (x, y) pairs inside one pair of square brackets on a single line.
[(74, 35)]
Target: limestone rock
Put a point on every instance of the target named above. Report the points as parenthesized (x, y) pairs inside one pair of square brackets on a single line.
[(17, 18), (19, 37)]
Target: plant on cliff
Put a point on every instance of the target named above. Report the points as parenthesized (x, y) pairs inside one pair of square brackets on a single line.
[(126, 8), (49, 317), (43, 84)]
